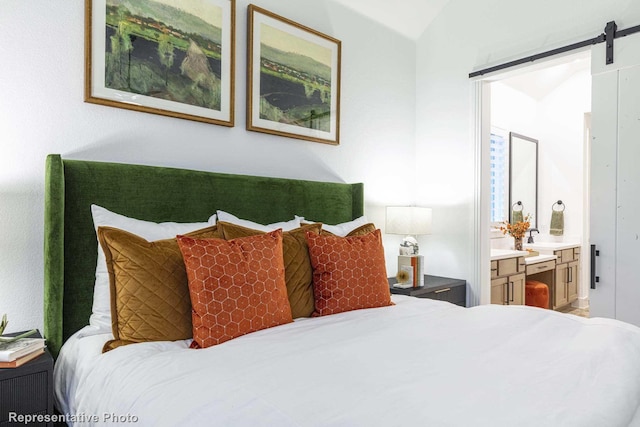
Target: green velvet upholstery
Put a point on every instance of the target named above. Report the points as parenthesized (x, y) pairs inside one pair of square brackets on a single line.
[(156, 194)]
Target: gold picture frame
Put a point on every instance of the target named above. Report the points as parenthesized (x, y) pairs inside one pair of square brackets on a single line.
[(155, 57), (293, 79)]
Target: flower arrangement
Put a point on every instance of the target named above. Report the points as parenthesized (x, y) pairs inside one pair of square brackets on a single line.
[(517, 229)]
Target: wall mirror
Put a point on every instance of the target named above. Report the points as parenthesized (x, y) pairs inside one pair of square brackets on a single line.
[(523, 176)]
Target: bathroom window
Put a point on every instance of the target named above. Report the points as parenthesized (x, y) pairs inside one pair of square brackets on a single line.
[(499, 177)]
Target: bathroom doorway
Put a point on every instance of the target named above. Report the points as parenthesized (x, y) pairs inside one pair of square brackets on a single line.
[(549, 102)]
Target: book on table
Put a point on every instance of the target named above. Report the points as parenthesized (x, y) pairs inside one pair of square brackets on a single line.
[(414, 266), (22, 360), (10, 351)]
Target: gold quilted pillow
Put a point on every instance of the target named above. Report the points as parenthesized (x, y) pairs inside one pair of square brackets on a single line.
[(149, 287), (297, 266), (360, 231)]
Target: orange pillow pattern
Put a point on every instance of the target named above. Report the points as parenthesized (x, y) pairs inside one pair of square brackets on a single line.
[(236, 286), (298, 273), (349, 273)]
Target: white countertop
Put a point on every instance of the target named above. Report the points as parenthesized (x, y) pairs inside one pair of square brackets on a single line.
[(551, 246), (539, 258), (505, 253)]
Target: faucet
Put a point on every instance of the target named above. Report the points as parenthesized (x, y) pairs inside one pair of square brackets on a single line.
[(530, 239)]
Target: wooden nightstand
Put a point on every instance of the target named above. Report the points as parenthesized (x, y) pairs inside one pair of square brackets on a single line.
[(436, 287), (27, 389)]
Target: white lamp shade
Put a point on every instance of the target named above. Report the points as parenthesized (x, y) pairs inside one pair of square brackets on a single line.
[(408, 220)]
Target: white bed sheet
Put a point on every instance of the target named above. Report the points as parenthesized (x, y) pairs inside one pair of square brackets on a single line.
[(418, 363)]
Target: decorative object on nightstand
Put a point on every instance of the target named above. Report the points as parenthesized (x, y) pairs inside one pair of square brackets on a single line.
[(17, 352), (436, 287), (404, 279), (3, 325), (409, 221), (27, 389)]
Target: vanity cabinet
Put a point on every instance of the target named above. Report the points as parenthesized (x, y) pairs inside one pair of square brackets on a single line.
[(508, 290), (508, 281), (557, 266), (567, 279)]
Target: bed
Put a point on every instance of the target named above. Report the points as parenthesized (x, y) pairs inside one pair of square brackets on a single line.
[(413, 362)]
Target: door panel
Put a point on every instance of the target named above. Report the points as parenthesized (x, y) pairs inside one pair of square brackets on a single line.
[(573, 283), (499, 291), (560, 295), (516, 290), (628, 238), (615, 179), (604, 130)]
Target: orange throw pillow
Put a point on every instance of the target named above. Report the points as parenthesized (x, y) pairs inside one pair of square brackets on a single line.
[(298, 273), (349, 273), (236, 286)]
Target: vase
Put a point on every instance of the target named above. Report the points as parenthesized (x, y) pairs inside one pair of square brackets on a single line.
[(517, 243)]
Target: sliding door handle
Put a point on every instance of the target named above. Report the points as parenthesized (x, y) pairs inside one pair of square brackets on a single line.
[(594, 279)]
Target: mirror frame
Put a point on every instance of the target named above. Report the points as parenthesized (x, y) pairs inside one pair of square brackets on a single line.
[(512, 147)]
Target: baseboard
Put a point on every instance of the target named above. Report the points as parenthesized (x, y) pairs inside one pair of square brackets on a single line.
[(581, 303)]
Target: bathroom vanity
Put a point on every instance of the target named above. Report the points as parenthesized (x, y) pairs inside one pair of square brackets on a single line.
[(557, 265)]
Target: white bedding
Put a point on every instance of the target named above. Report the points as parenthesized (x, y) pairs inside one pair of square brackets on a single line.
[(418, 363)]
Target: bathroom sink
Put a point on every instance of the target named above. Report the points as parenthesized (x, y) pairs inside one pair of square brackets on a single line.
[(551, 246), (505, 253)]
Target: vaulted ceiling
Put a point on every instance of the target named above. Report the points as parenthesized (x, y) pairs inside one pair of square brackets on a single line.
[(408, 17)]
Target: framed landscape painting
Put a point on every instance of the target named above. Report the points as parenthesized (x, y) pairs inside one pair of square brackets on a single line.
[(293, 79), (169, 57)]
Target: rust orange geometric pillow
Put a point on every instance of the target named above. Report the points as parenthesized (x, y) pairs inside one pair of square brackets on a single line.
[(236, 286), (349, 273), (298, 273)]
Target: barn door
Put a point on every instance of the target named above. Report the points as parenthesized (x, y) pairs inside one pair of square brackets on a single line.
[(615, 182)]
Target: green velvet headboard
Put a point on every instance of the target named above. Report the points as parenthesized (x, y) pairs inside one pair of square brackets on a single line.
[(155, 194)]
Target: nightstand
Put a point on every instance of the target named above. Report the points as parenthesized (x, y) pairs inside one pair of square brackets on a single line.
[(436, 287), (27, 389)]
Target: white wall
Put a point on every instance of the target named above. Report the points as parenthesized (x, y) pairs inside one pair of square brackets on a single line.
[(466, 36), (42, 111), (561, 154)]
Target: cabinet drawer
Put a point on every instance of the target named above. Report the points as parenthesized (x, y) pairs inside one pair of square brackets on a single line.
[(25, 394), (510, 266), (494, 269), (540, 267), (454, 294), (567, 255)]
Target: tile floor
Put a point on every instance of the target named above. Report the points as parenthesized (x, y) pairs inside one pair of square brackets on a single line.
[(582, 312)]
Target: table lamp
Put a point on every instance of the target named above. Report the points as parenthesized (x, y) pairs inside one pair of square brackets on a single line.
[(409, 221)]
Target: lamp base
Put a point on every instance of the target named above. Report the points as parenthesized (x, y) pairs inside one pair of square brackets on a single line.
[(409, 246)]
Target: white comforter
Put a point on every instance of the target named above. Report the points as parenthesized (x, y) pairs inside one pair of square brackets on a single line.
[(418, 363)]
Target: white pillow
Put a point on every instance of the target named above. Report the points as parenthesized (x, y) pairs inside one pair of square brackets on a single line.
[(341, 229), (286, 226), (101, 312)]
